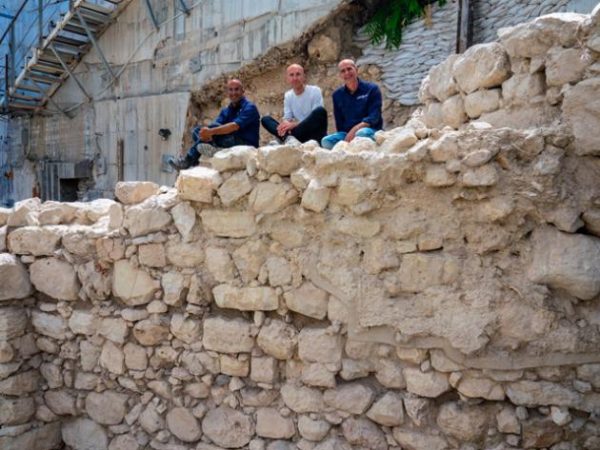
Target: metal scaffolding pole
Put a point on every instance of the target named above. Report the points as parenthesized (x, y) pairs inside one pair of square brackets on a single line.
[(184, 7), (151, 14), (64, 66), (92, 38)]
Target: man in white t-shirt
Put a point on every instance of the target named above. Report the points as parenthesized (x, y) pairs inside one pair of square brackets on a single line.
[(304, 117)]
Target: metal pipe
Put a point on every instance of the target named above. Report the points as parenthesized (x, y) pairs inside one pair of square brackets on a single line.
[(120, 159), (14, 19), (64, 66), (40, 22), (184, 7), (151, 13), (95, 43)]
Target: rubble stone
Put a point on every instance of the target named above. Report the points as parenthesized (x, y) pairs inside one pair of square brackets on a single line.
[(227, 427), (15, 283), (131, 192), (198, 184)]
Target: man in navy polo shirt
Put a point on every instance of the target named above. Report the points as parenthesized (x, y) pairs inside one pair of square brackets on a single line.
[(237, 124), (356, 107)]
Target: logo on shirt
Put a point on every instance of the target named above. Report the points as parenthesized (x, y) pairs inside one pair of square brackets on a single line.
[(360, 97)]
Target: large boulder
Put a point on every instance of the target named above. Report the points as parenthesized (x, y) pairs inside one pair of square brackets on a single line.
[(198, 184), (55, 278), (106, 408), (280, 159), (15, 280), (566, 261), (481, 66), (581, 110), (37, 241), (133, 285), (143, 219), (441, 82), (130, 192)]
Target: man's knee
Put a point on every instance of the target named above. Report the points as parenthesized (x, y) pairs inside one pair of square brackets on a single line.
[(320, 112), (264, 120), (366, 133)]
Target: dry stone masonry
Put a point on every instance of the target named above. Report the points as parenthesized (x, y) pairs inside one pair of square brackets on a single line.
[(436, 289)]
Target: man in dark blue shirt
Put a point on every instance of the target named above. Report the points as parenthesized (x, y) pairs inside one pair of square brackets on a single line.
[(356, 107), (237, 124)]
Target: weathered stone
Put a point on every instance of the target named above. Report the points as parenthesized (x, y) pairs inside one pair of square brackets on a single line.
[(227, 427), (268, 197), (246, 299), (359, 227), (313, 430), (60, 403), (564, 65), (114, 329), (317, 374), (37, 241), (15, 411), (566, 261), (453, 111), (130, 192), (150, 419), (20, 384), (270, 424), (420, 271), (183, 425), (280, 159), (364, 433), (227, 335), (481, 66), (50, 325), (132, 285), (521, 88), (426, 384), (319, 345), (441, 82), (316, 196), (388, 410), (483, 176), (415, 440), (235, 224), (198, 184), (541, 433), (111, 358), (308, 300), (278, 339), (400, 141), (186, 330), (56, 278), (464, 422), (437, 176), (124, 442), (354, 398), (135, 357), (583, 115), (482, 101), (84, 434), (325, 48), (46, 437), (480, 388), (301, 399), (173, 285), (152, 255), (147, 332), (432, 115), (15, 280), (234, 158), (143, 219), (106, 408), (13, 322), (534, 393), (507, 421), (22, 211), (234, 188)]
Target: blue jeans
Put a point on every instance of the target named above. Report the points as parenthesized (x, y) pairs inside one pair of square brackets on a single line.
[(330, 140), (220, 141)]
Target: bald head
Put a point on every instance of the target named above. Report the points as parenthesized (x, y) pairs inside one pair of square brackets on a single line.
[(348, 73), (235, 90), (295, 77)]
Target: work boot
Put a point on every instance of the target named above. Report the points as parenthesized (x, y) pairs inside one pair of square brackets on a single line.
[(207, 150), (181, 163)]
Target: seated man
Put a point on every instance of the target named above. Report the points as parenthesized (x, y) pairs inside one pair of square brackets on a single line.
[(303, 114), (237, 124), (356, 107)]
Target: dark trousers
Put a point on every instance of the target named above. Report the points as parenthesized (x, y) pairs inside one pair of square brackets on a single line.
[(218, 141), (313, 127)]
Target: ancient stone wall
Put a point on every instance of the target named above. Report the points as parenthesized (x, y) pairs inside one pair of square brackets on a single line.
[(436, 289)]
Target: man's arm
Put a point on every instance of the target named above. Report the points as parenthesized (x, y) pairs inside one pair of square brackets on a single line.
[(338, 114), (206, 134), (374, 102), (288, 123)]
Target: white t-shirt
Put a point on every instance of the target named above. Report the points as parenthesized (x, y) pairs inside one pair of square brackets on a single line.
[(298, 107)]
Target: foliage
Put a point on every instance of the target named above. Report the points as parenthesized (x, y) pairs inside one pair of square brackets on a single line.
[(392, 16)]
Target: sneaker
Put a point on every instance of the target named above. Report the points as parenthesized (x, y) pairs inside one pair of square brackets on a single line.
[(291, 140), (207, 150), (180, 163)]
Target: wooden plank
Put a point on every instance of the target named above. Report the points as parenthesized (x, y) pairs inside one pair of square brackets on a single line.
[(464, 32)]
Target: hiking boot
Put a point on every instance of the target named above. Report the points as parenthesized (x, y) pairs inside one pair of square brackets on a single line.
[(181, 163)]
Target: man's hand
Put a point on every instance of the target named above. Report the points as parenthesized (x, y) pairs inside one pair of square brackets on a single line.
[(285, 127), (205, 134), (352, 133)]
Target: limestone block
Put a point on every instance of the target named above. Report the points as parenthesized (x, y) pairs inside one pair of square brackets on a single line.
[(473, 387), (37, 241), (50, 325), (220, 264), (7, 352), (441, 82), (507, 421), (83, 322), (301, 399), (462, 421), (147, 332), (483, 176), (227, 427), (441, 363), (20, 384), (353, 369), (589, 372), (269, 198), (353, 398), (22, 211), (478, 157), (185, 254), (111, 358), (379, 255), (84, 434), (150, 419), (352, 190), (184, 218), (235, 224), (583, 115), (15, 411), (537, 393), (3, 232), (419, 441), (308, 300), (249, 258), (235, 367), (270, 424), (432, 115), (319, 344), (15, 280), (133, 286), (425, 96), (135, 356), (388, 410), (234, 158), (198, 184), (315, 197), (317, 374), (130, 192), (234, 188), (426, 384), (152, 255), (278, 339), (521, 88), (114, 329), (400, 141), (437, 176), (80, 240), (445, 148), (183, 425), (313, 430), (535, 37), (419, 271), (227, 335), (363, 433), (55, 278), (109, 249), (481, 66), (564, 65), (566, 261), (453, 111), (107, 407), (361, 144), (246, 299), (140, 219), (4, 214), (124, 442), (541, 432), (280, 159), (482, 101), (359, 227), (279, 271), (186, 330)]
